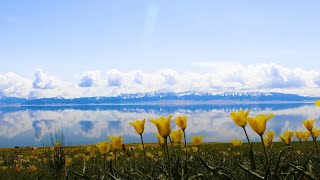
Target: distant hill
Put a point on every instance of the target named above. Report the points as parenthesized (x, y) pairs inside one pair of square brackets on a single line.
[(160, 96)]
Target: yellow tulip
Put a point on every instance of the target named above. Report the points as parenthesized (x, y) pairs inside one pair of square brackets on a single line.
[(266, 141), (309, 124), (163, 125), (317, 103), (181, 122), (270, 135), (195, 149), (197, 140), (315, 133), (286, 137), (138, 125), (258, 123), (3, 168), (58, 144), (176, 136), (32, 169), (299, 135), (306, 135), (236, 143), (240, 117), (116, 142), (103, 147), (68, 161), (161, 140)]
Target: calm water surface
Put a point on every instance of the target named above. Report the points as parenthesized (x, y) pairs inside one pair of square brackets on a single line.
[(23, 126)]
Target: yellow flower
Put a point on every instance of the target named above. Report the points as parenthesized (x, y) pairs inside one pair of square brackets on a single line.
[(240, 117), (258, 123), (18, 167), (103, 147), (58, 144), (140, 147), (3, 168), (176, 136), (161, 140), (91, 151), (286, 137), (266, 141), (195, 149), (68, 161), (270, 135), (160, 153), (315, 133), (306, 135), (32, 169), (317, 103), (116, 142), (309, 124), (197, 140), (299, 135), (150, 155), (236, 143), (181, 122), (163, 125), (138, 125)]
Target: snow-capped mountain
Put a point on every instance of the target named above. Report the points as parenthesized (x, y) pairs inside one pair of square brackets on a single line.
[(162, 96)]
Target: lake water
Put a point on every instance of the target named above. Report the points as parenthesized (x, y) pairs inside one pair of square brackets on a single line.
[(26, 126)]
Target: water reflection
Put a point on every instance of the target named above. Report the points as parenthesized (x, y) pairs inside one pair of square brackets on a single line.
[(21, 126)]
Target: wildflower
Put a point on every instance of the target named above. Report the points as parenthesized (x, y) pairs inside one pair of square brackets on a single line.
[(309, 124), (116, 142), (160, 153), (58, 144), (270, 136), (68, 161), (32, 169), (140, 147), (258, 123), (18, 167), (138, 126), (195, 149), (176, 136), (286, 137), (240, 117), (317, 103), (91, 151), (103, 147), (306, 135), (181, 122), (266, 141), (150, 155), (163, 125), (236, 143), (315, 133), (197, 140), (161, 140), (299, 135)]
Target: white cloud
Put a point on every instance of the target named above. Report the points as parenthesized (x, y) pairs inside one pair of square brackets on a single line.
[(217, 77)]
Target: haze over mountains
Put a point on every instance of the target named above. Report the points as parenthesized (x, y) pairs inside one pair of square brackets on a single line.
[(162, 97)]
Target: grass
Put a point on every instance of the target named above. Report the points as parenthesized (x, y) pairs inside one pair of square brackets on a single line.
[(213, 161)]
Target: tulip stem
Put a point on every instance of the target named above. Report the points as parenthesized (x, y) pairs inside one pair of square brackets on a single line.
[(173, 147), (264, 148), (115, 158), (185, 144), (168, 157), (144, 152), (247, 135), (104, 165)]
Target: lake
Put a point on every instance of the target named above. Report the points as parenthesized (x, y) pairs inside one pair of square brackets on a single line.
[(26, 126)]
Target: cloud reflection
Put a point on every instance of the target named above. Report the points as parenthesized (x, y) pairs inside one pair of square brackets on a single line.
[(96, 123)]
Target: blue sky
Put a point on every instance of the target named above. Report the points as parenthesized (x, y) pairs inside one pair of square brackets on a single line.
[(68, 38)]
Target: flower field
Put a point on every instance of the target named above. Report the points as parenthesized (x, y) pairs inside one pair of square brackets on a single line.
[(295, 157)]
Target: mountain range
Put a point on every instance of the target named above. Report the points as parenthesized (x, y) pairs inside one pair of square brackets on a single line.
[(154, 97)]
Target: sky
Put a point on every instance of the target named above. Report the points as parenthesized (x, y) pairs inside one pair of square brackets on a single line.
[(94, 48)]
